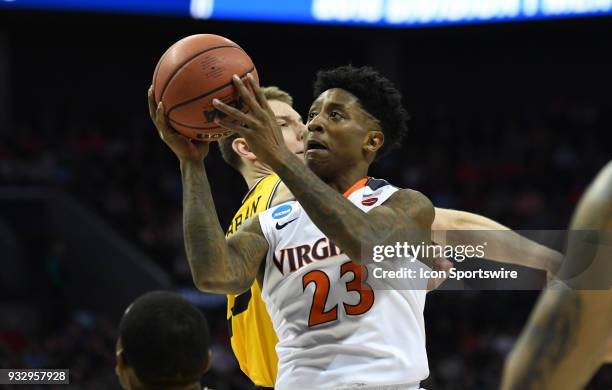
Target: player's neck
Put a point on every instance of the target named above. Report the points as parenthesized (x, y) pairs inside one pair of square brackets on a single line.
[(252, 173), (344, 181)]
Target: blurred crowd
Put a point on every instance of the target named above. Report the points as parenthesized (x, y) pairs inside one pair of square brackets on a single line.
[(524, 165)]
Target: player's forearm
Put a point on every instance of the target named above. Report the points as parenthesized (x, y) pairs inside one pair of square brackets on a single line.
[(331, 212), (503, 245), (350, 228), (560, 346), (205, 242)]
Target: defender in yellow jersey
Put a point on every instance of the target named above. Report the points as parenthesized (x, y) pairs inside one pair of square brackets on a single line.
[(252, 334)]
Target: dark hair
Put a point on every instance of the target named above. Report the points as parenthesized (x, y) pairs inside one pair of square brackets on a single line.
[(165, 340), (225, 145), (376, 94)]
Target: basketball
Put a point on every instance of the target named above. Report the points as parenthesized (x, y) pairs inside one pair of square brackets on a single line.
[(193, 72)]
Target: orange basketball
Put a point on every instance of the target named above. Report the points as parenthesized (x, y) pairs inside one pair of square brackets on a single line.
[(193, 72)]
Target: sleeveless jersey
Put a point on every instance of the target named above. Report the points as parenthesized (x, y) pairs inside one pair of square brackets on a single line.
[(252, 335), (335, 331)]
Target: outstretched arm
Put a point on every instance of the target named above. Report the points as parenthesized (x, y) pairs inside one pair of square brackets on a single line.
[(217, 265), (405, 212), (565, 339), (454, 227)]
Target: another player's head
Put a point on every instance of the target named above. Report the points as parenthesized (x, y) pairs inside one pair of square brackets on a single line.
[(357, 116), (236, 151), (164, 343)]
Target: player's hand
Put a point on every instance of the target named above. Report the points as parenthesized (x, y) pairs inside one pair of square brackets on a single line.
[(184, 148), (258, 127)]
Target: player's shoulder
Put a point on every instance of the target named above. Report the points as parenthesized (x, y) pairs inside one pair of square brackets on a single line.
[(412, 202), (264, 185), (373, 184), (281, 210)]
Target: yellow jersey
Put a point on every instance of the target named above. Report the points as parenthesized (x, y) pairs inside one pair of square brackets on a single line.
[(251, 331)]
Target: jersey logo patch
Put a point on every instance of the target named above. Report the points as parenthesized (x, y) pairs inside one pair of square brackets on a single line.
[(281, 211), (280, 226), (369, 201)]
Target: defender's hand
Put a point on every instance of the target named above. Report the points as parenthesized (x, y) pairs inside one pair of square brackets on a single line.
[(258, 127), (184, 148)]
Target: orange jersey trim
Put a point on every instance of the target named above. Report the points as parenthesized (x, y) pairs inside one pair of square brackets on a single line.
[(359, 184)]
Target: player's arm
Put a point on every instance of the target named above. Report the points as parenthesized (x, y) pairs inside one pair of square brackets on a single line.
[(406, 215), (217, 265), (563, 343), (454, 227), (565, 339)]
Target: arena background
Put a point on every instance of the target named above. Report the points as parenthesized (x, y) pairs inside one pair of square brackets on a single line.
[(510, 120)]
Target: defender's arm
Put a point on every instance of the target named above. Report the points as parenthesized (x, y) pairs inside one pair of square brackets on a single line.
[(454, 227)]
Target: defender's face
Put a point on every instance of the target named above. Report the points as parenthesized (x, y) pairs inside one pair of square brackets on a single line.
[(292, 126), (337, 130)]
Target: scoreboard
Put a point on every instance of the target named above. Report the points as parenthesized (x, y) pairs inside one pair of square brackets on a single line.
[(381, 13)]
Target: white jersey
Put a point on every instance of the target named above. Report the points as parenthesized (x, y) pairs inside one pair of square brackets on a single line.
[(332, 332)]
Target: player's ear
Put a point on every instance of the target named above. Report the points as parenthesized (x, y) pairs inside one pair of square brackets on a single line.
[(241, 148), (374, 141)]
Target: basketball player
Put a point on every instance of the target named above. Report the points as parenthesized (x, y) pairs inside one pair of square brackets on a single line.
[(458, 220), (374, 338), (163, 343), (565, 340), (252, 336)]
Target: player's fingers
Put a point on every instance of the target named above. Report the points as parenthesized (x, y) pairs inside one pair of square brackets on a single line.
[(233, 113), (247, 96), (227, 125), (151, 103), (259, 95), (164, 129)]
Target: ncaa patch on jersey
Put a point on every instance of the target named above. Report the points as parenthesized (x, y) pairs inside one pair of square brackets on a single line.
[(281, 211)]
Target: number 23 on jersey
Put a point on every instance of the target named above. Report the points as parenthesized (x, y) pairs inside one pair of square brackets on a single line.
[(318, 315)]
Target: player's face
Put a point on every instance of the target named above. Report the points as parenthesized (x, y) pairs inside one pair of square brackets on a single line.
[(338, 129), (292, 126)]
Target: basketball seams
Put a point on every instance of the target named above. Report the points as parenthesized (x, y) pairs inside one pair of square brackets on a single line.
[(181, 63), (206, 94), (188, 61)]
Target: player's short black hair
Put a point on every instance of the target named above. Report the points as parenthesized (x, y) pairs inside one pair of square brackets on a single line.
[(165, 340), (376, 94)]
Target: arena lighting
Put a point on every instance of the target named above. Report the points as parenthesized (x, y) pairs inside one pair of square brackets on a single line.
[(382, 13)]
